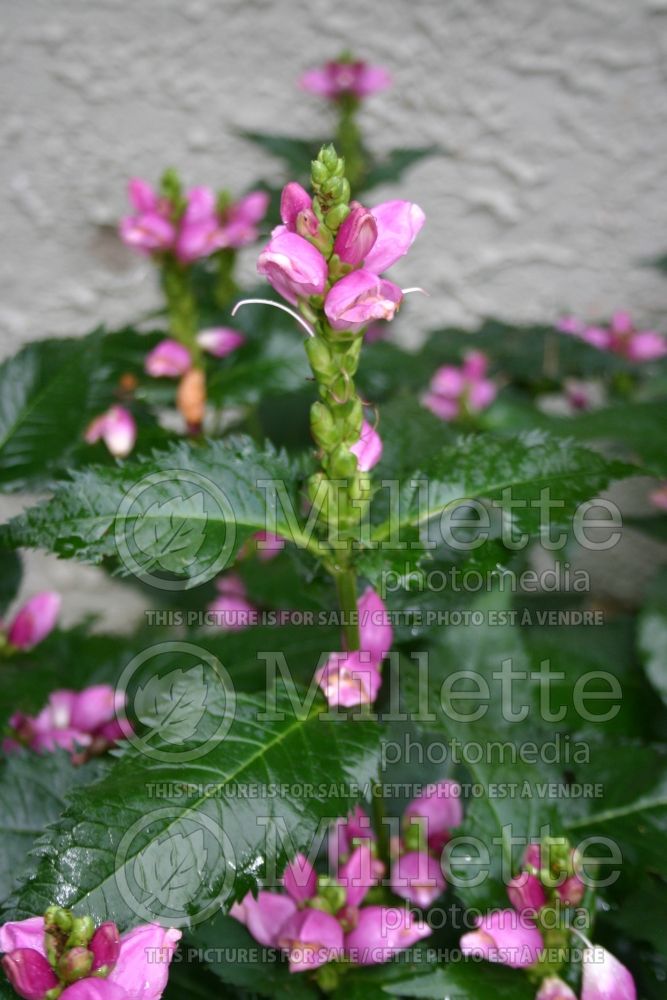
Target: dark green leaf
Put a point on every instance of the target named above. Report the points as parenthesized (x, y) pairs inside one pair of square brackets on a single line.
[(11, 572), (392, 167)]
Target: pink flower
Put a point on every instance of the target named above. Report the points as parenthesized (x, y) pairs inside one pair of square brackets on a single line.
[(453, 391), (368, 448), (553, 988), (359, 873), (620, 337), (34, 620), (117, 428), (356, 236), (337, 78), (140, 960), (238, 225), (604, 978), (268, 545), (398, 225), (147, 232), (504, 936), (220, 340), (233, 612), (438, 810), (659, 497), (29, 973), (526, 892), (646, 345), (417, 877), (375, 632), (300, 879), (265, 916), (294, 200), (360, 298), (311, 938), (381, 932), (293, 266), (73, 719), (349, 679), (169, 359), (345, 834)]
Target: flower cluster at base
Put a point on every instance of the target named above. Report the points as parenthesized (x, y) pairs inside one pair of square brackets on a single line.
[(620, 337), (63, 957), (320, 919), (550, 881), (353, 678), (32, 622), (85, 723), (457, 393)]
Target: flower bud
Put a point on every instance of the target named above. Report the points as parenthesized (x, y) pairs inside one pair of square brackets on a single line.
[(307, 223), (336, 216), (343, 464), (29, 973), (220, 340), (105, 948), (191, 397), (318, 172), (526, 892), (75, 964), (300, 879), (323, 426), (83, 928), (553, 988), (34, 620), (320, 357), (169, 359), (293, 201), (117, 428), (356, 235)]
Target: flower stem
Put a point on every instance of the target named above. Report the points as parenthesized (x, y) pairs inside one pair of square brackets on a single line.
[(346, 588)]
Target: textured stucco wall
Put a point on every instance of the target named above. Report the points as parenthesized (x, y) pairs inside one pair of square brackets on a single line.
[(554, 116)]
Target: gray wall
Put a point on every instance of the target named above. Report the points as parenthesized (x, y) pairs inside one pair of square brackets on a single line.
[(554, 115)]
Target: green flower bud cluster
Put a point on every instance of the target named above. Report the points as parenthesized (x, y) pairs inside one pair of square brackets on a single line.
[(66, 941), (331, 188)]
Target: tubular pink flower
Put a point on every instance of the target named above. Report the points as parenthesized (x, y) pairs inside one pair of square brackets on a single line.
[(238, 225), (356, 236), (117, 428), (168, 359), (293, 266), (147, 232), (73, 719), (376, 634), (105, 946), (475, 365), (438, 809), (349, 679), (361, 298), (23, 934), (142, 967), (300, 879), (605, 978), (417, 877), (198, 239), (311, 938), (334, 79), (233, 612), (506, 937), (646, 345), (268, 545), (526, 892), (381, 932), (293, 200), (265, 916), (368, 448), (344, 832), (95, 706), (398, 225), (142, 195), (553, 988), (35, 619), (220, 340), (443, 407), (359, 873), (29, 973)]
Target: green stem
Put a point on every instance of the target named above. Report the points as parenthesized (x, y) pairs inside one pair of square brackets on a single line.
[(181, 305), (346, 588)]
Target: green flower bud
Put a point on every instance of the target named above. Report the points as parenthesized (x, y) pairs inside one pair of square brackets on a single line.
[(75, 964), (318, 173), (320, 358), (336, 216), (54, 993), (329, 157), (57, 917), (323, 426), (82, 931), (342, 463)]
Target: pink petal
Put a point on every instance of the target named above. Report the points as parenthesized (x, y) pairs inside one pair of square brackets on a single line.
[(23, 934), (142, 968), (506, 937), (169, 359), (605, 978), (350, 679), (398, 225), (376, 634), (300, 879), (35, 620), (220, 340), (368, 449), (417, 877), (265, 916)]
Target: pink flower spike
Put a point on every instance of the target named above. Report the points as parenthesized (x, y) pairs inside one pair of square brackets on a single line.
[(398, 225), (311, 938), (264, 916), (168, 359), (356, 236), (29, 973), (35, 620), (334, 79), (294, 199), (293, 266), (142, 195), (268, 545), (553, 988), (300, 879), (506, 937), (23, 934), (359, 873), (376, 634), (361, 298), (526, 892), (381, 932), (220, 340), (118, 430), (349, 679), (147, 232), (438, 809), (142, 967), (417, 877), (368, 448), (605, 978)]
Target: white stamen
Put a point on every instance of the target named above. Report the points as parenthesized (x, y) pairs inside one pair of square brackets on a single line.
[(277, 305), (408, 291)]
